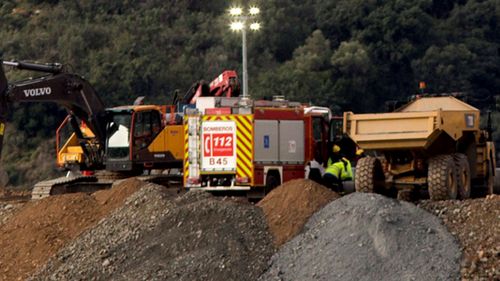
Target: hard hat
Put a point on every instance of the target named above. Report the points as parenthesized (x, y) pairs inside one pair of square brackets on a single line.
[(335, 148), (359, 152)]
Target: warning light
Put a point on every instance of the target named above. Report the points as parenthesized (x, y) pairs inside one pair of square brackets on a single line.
[(193, 180), (242, 180)]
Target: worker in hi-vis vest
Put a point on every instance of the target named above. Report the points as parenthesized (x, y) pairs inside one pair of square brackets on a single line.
[(338, 170)]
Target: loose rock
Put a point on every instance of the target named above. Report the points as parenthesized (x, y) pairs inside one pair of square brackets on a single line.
[(476, 225), (368, 237), (155, 236)]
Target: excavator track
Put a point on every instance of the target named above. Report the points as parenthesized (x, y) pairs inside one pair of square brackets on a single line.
[(91, 184), (64, 185)]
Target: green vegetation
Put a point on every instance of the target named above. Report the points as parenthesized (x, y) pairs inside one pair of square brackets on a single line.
[(346, 54)]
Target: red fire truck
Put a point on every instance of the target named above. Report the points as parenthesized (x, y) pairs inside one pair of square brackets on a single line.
[(252, 147)]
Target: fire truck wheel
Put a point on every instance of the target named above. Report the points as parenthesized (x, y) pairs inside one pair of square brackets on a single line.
[(463, 175), (441, 178), (369, 175), (273, 179)]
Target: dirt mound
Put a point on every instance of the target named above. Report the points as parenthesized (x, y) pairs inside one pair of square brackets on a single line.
[(110, 199), (368, 237), (289, 206), (476, 224), (156, 237), (42, 227)]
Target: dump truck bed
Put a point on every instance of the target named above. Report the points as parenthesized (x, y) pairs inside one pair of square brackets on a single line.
[(417, 125)]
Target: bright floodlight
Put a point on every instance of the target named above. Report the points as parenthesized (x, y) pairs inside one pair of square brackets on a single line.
[(237, 25), (236, 11), (255, 26), (254, 10)]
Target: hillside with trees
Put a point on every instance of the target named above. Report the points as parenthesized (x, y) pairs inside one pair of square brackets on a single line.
[(345, 54)]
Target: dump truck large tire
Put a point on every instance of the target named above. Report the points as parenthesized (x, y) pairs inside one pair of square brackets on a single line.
[(441, 178), (463, 175), (369, 175)]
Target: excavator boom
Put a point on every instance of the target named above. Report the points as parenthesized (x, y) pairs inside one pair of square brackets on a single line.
[(68, 90), (47, 68)]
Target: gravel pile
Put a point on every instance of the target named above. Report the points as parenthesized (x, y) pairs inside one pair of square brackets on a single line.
[(476, 224), (39, 229), (368, 237), (158, 236), (289, 206)]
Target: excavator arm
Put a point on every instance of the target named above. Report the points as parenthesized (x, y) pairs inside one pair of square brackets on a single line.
[(71, 91)]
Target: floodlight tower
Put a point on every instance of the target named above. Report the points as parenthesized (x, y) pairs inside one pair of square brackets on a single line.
[(241, 23)]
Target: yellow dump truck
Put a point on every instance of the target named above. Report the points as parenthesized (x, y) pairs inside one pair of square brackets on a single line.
[(432, 144)]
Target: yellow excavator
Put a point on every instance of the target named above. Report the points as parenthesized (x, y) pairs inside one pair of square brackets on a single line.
[(123, 141)]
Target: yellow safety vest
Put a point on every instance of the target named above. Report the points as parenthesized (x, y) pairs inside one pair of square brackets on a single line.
[(339, 169)]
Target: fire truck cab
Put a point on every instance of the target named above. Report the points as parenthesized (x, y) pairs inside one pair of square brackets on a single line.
[(256, 146)]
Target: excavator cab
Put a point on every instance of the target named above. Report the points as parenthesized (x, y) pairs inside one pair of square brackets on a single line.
[(118, 136), (138, 139)]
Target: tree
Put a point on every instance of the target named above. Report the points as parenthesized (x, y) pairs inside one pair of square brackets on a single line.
[(446, 69), (287, 24), (315, 54), (353, 74), (306, 77)]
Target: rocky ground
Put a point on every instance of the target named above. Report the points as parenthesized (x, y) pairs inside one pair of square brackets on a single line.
[(476, 225), (139, 231), (155, 237)]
